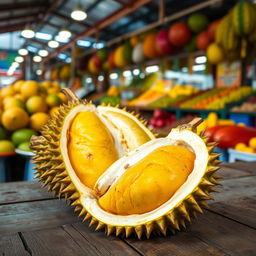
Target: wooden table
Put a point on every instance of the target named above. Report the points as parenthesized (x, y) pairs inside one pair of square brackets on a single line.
[(33, 222)]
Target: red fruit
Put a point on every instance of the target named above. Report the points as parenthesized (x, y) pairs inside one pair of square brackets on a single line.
[(163, 45), (228, 137), (97, 61), (211, 30), (152, 121), (179, 34), (212, 130), (160, 123), (158, 113), (203, 41), (111, 61)]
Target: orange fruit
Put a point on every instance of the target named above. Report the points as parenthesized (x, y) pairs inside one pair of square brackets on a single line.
[(37, 120), (14, 118), (6, 146), (13, 102), (53, 100), (63, 97), (19, 96), (29, 88), (17, 85), (252, 143), (36, 104), (7, 91), (240, 146)]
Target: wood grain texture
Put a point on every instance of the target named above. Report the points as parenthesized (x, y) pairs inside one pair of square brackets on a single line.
[(242, 210), (35, 215), (11, 245), (98, 242), (14, 192), (248, 167), (231, 173)]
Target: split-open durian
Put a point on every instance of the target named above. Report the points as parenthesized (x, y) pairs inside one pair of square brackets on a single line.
[(116, 174)]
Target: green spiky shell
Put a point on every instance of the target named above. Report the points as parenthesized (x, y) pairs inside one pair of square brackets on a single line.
[(51, 171)]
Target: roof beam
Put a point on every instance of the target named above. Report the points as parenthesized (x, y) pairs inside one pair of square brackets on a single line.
[(25, 5), (123, 11), (120, 2), (13, 27), (27, 16)]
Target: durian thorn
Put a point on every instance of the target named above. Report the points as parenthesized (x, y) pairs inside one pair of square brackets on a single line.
[(149, 228), (74, 196), (49, 179), (88, 216), (76, 202), (56, 186), (206, 182), (172, 220), (215, 176), (212, 169), (83, 212), (78, 208), (65, 180), (35, 141), (161, 223), (60, 167), (204, 204), (70, 95), (128, 231), (183, 212), (62, 174), (119, 231), (182, 223), (201, 194), (212, 189), (109, 230), (191, 125), (92, 222), (212, 144), (139, 231), (69, 188), (191, 200), (213, 156), (100, 226)]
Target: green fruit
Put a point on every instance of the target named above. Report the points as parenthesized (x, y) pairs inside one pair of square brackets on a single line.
[(102, 54), (3, 134), (22, 135), (6, 146), (127, 52), (53, 100), (197, 22), (24, 146), (191, 46)]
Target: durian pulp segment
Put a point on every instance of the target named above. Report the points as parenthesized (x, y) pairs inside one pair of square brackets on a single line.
[(91, 147), (150, 182), (116, 170), (131, 133)]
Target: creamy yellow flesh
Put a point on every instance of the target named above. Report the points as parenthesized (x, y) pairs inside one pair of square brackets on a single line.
[(91, 147), (149, 183)]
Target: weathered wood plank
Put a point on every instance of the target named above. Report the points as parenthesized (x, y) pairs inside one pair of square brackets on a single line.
[(230, 173), (233, 189), (14, 192), (181, 244), (11, 245), (242, 210), (35, 215), (210, 234), (97, 241), (52, 242), (248, 167)]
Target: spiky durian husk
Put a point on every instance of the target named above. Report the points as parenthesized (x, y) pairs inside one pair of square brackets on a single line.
[(50, 169)]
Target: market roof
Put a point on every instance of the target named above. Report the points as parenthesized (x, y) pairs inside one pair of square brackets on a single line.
[(50, 16)]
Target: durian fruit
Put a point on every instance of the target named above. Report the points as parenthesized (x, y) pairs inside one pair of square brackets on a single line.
[(157, 186)]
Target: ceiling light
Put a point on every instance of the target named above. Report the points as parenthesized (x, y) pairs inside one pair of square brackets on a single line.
[(200, 59), (31, 48), (43, 36), (198, 67), (53, 44), (28, 32), (78, 14), (37, 58), (100, 78), (61, 39), (151, 69), (65, 33), (136, 72), (83, 43), (43, 53), (39, 72), (23, 51), (19, 59), (113, 76)]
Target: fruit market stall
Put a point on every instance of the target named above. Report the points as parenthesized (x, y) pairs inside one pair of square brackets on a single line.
[(51, 227)]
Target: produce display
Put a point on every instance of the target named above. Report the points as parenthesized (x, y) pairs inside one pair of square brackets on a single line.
[(248, 106), (161, 119), (119, 176), (25, 108), (228, 136), (247, 148), (217, 98), (221, 40)]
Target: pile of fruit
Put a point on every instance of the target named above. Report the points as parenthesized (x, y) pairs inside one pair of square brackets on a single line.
[(161, 119), (216, 98), (224, 39), (247, 148), (248, 106), (25, 107)]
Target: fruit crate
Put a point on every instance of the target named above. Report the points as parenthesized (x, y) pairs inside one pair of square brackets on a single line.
[(224, 157), (235, 155)]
